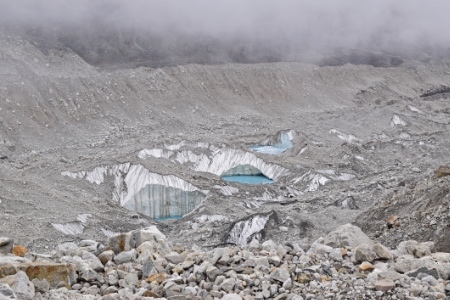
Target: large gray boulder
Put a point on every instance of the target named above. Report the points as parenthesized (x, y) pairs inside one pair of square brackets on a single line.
[(21, 285), (6, 293), (133, 239), (347, 235)]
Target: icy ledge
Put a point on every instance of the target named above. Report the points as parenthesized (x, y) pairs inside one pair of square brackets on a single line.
[(129, 182), (243, 231), (275, 145), (219, 161)]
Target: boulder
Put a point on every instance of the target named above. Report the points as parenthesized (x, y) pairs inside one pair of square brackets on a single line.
[(67, 249), (85, 272), (6, 292), (442, 171), (347, 235), (319, 248), (335, 254), (228, 284), (364, 252), (174, 258), (106, 256), (41, 286), (125, 256), (56, 274), (21, 285), (93, 261), (280, 274), (133, 239), (384, 285), (382, 252), (415, 248), (366, 266), (6, 245), (212, 272), (424, 271), (443, 263), (408, 263)]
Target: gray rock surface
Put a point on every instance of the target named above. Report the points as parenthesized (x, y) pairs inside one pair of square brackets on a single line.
[(347, 235), (6, 293), (6, 245)]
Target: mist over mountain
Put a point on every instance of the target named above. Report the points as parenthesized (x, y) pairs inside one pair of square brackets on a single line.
[(159, 33)]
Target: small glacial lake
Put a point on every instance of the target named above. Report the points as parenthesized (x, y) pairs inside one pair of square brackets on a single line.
[(248, 179), (168, 218)]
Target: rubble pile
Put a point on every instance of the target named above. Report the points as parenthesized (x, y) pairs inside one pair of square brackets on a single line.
[(141, 264)]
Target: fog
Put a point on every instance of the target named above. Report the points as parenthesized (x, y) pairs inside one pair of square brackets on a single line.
[(210, 31)]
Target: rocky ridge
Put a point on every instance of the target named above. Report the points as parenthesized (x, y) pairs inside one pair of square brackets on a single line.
[(142, 264)]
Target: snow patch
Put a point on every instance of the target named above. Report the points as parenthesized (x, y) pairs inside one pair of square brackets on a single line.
[(157, 153), (349, 138), (414, 109), (109, 233), (73, 228), (336, 175), (396, 120)]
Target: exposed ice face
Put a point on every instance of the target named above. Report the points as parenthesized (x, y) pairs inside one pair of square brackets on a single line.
[(227, 190), (152, 194), (243, 231), (349, 138), (159, 201), (224, 160), (109, 233), (284, 143), (321, 178), (220, 161), (335, 175), (73, 228)]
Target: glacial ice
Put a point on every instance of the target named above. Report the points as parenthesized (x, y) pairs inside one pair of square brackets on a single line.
[(159, 201), (284, 143), (138, 189), (349, 138), (219, 161), (73, 228), (243, 230), (226, 190)]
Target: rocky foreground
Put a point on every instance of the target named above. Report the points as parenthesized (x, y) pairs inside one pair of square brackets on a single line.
[(345, 264)]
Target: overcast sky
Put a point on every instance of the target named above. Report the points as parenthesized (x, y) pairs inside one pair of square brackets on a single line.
[(320, 23)]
